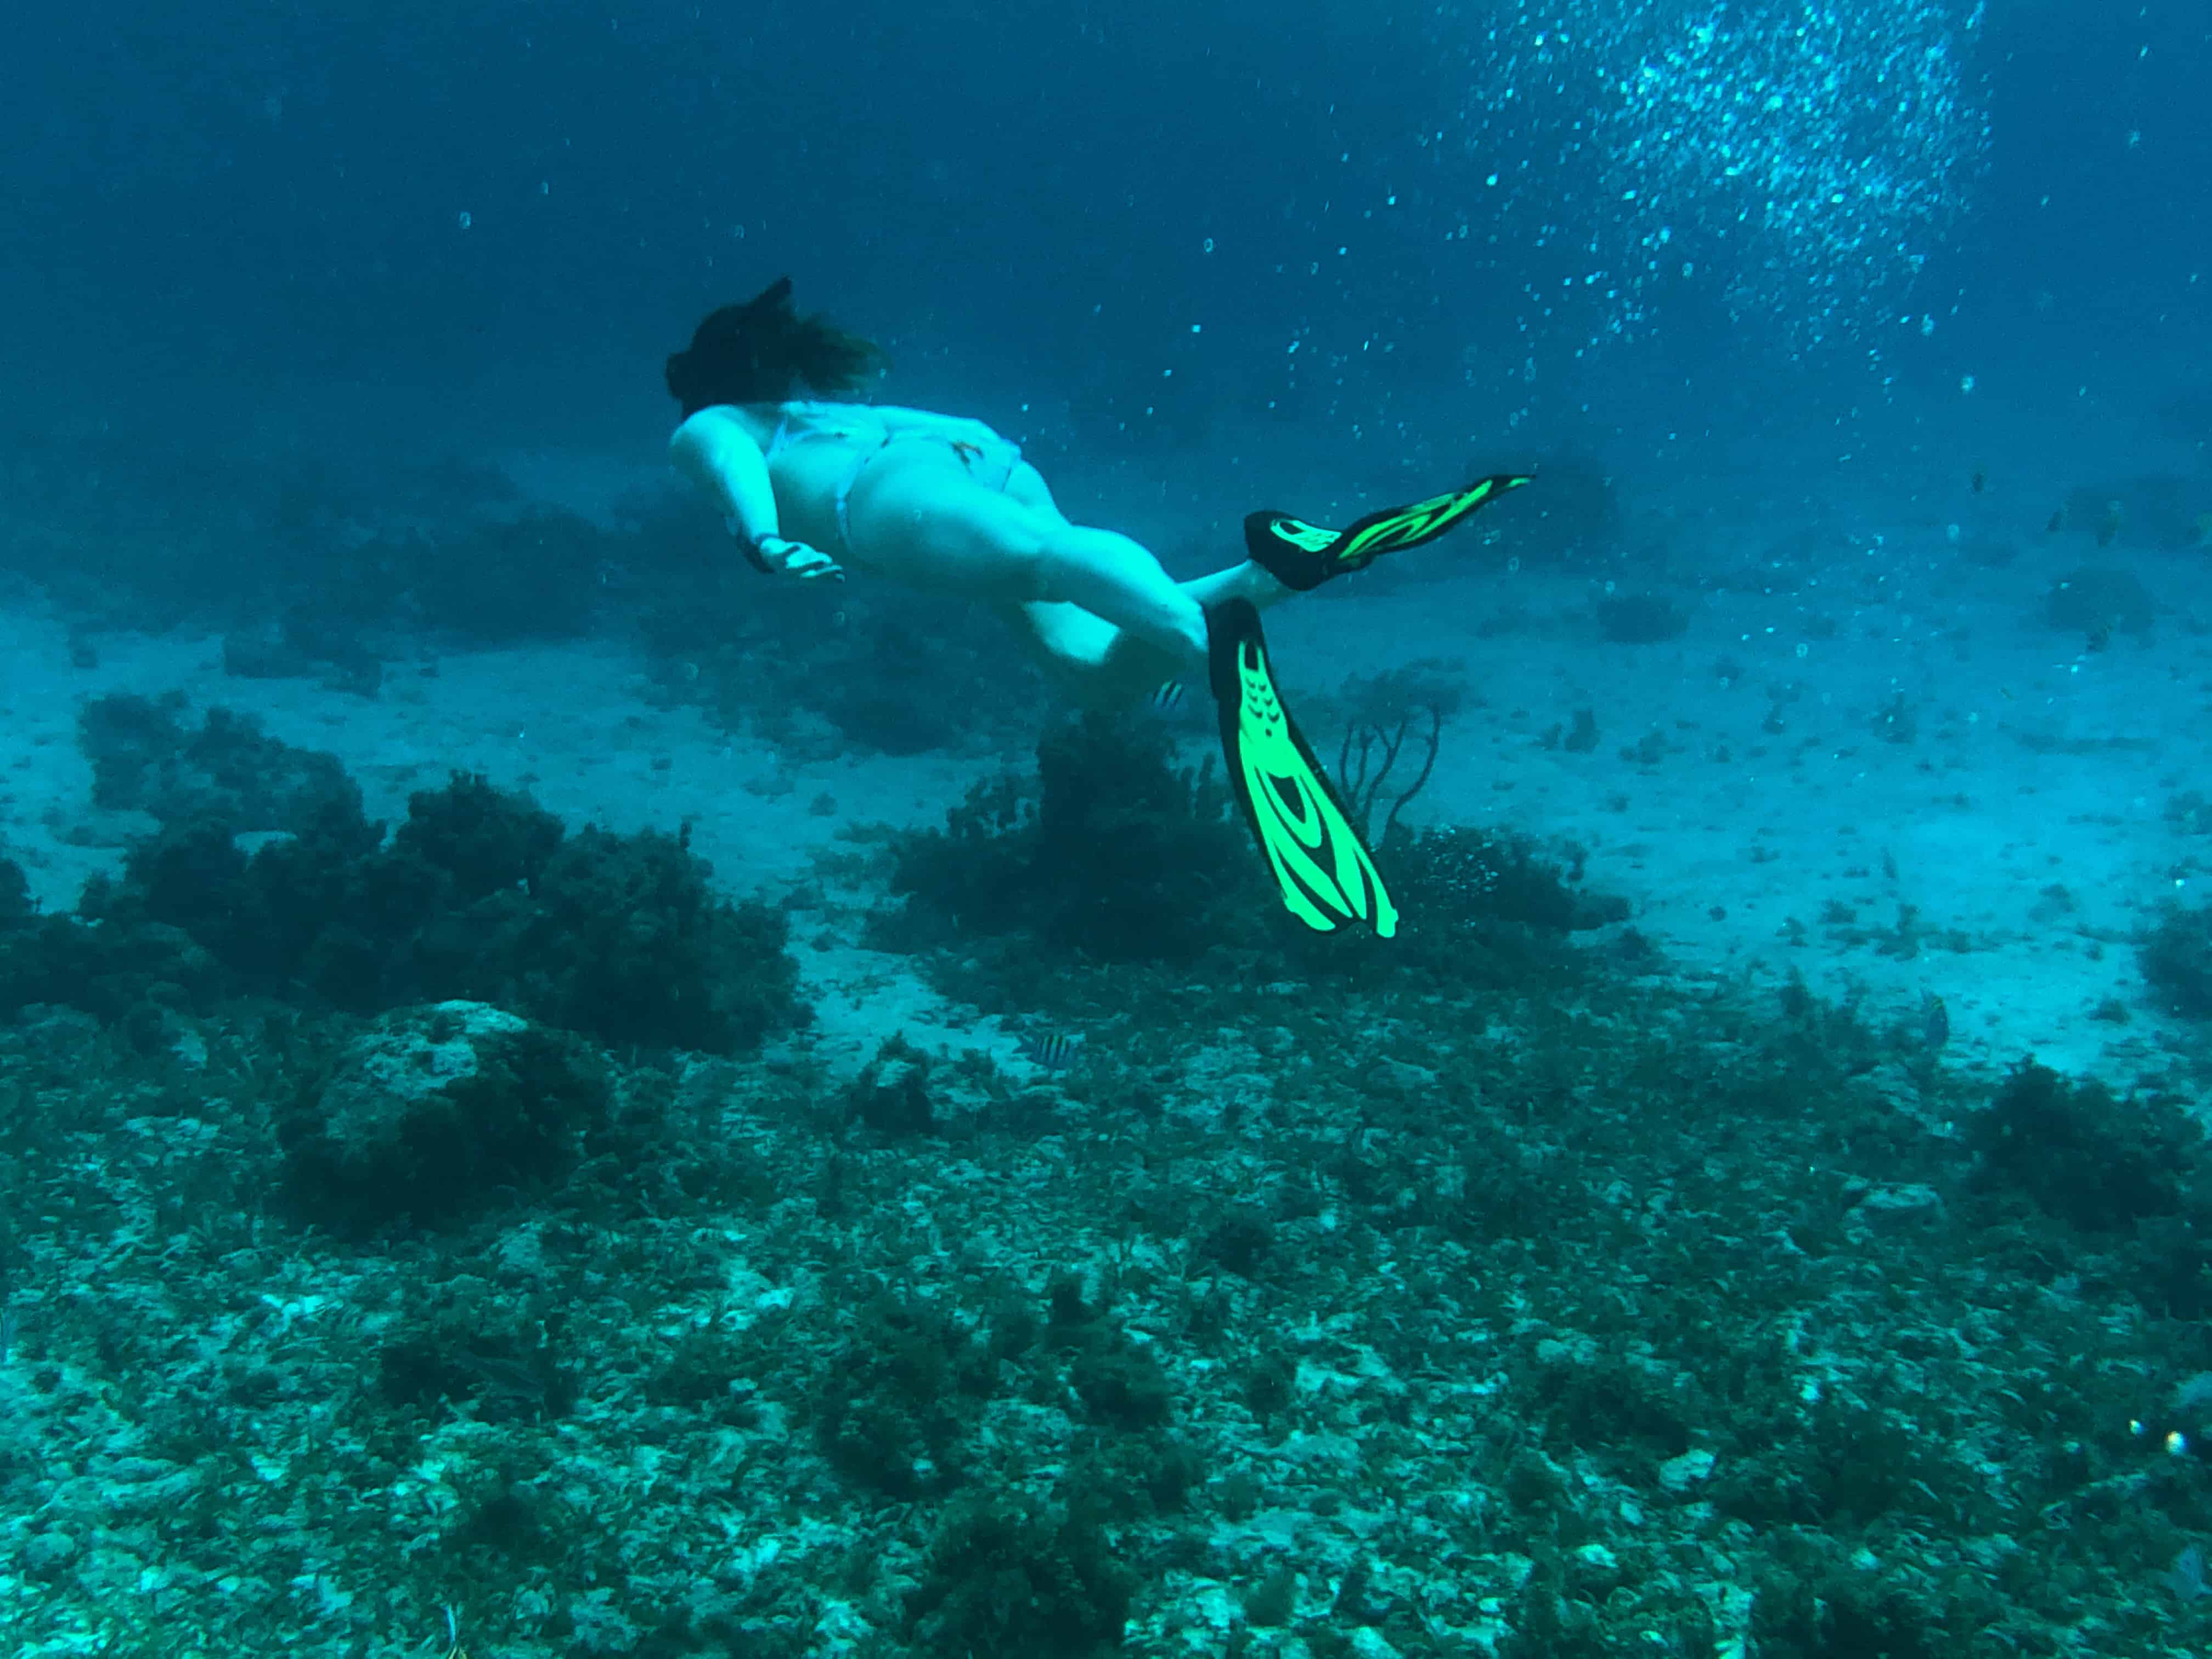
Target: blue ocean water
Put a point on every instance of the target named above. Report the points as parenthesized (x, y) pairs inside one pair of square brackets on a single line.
[(565, 1096)]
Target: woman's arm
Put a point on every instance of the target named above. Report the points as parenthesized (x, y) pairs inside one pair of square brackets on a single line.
[(715, 450)]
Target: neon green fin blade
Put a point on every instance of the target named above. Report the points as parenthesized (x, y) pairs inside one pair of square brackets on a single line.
[(1304, 555), (1322, 868)]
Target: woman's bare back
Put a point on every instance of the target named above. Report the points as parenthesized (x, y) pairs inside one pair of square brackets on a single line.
[(824, 460)]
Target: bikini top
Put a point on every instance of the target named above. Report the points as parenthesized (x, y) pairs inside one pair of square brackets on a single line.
[(872, 425), (797, 423)]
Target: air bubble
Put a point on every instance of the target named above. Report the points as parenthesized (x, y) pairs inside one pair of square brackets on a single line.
[(1798, 149)]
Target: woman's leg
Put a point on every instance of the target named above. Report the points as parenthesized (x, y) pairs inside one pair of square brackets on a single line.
[(1118, 580), (916, 515), (1242, 580), (1095, 663)]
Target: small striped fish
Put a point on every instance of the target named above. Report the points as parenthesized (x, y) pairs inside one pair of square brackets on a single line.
[(1935, 1022), (1168, 701), (1054, 1050)]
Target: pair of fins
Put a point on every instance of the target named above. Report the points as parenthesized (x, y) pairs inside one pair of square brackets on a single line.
[(1323, 868)]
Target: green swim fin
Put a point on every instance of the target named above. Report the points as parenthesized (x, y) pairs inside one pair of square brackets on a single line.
[(1303, 556), (1322, 867)]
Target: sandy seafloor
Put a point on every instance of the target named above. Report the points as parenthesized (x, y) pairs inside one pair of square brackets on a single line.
[(2023, 827)]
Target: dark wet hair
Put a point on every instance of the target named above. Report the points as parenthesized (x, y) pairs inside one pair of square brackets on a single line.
[(763, 351)]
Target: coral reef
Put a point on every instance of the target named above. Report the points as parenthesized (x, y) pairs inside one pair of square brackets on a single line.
[(306, 643), (1382, 712), (147, 973), (144, 757), (892, 1095), (2176, 956), (1116, 854), (486, 840), (436, 1113), (480, 895), (1621, 1317), (622, 938), (2076, 1150), (1476, 907), (903, 1394), (1119, 856), (1008, 1580)]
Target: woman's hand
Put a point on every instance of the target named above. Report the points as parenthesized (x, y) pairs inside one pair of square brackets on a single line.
[(778, 556)]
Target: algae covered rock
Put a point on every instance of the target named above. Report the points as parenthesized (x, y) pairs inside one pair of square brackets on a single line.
[(2177, 960), (145, 757), (1007, 1577), (107, 972), (436, 1113), (624, 937), (480, 895), (2073, 1150), (892, 1095), (1117, 852)]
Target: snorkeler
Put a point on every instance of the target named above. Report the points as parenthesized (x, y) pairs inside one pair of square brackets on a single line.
[(813, 490)]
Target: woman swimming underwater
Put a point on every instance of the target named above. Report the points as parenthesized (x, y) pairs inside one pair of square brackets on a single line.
[(814, 490)]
